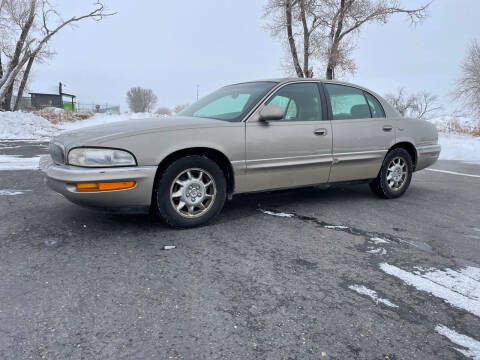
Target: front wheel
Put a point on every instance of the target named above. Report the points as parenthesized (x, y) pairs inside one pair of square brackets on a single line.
[(190, 192), (394, 176)]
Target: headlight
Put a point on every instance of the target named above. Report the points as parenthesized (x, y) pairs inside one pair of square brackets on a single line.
[(93, 157)]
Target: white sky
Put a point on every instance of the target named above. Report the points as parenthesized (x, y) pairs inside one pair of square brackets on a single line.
[(171, 46)]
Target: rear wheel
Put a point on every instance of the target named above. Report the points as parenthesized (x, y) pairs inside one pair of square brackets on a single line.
[(190, 192), (394, 176)]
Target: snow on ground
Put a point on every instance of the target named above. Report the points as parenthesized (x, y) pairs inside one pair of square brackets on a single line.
[(363, 290), (279, 214), (458, 288), (459, 147), (455, 139), (12, 162), (377, 251), (472, 346), (8, 192), (21, 125), (379, 240)]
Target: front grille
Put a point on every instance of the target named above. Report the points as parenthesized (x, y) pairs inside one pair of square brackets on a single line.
[(57, 153)]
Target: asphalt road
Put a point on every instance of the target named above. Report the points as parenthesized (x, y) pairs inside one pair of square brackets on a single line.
[(80, 284)]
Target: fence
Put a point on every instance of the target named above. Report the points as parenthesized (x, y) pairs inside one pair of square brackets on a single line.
[(26, 104), (97, 108)]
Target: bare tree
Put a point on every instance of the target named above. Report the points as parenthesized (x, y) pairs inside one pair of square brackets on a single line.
[(41, 57), (35, 20), (467, 89), (179, 108), (163, 111), (420, 105), (323, 31), (140, 99), (400, 101), (426, 105), (23, 15)]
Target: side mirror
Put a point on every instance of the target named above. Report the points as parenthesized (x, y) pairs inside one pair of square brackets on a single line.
[(271, 113)]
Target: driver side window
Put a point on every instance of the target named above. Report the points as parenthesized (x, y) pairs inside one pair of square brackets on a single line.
[(301, 102)]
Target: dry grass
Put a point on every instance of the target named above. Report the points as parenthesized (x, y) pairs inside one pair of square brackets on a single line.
[(457, 125), (56, 116)]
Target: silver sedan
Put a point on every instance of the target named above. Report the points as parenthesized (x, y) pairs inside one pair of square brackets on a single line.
[(246, 137)]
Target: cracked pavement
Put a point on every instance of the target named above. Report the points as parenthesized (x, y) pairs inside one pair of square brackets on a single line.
[(81, 284)]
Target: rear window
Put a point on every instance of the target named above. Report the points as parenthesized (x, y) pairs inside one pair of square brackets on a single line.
[(347, 102), (375, 107)]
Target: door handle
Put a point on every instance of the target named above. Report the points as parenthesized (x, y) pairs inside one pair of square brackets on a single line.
[(320, 132), (387, 128)]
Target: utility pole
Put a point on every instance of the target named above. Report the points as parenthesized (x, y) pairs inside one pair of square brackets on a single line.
[(198, 87)]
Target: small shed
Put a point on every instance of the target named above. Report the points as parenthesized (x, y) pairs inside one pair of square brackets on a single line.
[(40, 100)]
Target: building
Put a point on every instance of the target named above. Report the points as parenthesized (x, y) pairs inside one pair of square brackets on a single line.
[(42, 100)]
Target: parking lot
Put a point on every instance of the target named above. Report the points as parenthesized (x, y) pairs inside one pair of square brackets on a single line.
[(315, 273)]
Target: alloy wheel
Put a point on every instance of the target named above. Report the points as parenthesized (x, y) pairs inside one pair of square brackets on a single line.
[(193, 192), (397, 173)]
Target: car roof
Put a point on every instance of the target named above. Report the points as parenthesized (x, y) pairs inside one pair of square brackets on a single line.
[(387, 107), (296, 79)]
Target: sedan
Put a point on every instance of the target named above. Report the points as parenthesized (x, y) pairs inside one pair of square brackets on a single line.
[(247, 137)]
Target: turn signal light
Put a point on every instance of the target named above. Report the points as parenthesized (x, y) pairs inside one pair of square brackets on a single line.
[(105, 186)]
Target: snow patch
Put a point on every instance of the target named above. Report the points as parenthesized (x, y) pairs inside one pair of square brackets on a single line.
[(12, 192), (280, 214), (458, 288), (471, 345), (13, 162), (338, 227), (378, 251), (363, 290), (379, 240), (459, 147), (21, 125)]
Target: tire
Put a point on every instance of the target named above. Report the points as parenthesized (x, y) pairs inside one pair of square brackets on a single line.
[(196, 182), (395, 163)]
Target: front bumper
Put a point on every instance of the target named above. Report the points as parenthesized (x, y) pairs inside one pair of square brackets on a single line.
[(427, 155), (62, 179)]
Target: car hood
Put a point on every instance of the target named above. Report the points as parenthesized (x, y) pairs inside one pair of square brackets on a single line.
[(96, 135)]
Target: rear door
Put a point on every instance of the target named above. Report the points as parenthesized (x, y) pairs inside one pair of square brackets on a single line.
[(296, 150), (362, 133)]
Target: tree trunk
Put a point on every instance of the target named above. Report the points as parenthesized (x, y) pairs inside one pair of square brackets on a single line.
[(18, 51), (26, 73), (1, 76), (291, 40), (7, 101), (330, 72), (335, 37), (306, 42)]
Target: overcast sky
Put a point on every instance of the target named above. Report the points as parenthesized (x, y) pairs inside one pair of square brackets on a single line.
[(171, 46)]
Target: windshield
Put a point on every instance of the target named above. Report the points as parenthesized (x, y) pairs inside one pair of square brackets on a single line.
[(229, 103)]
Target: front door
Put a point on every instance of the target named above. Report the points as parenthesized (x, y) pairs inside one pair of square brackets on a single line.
[(294, 151), (362, 134)]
